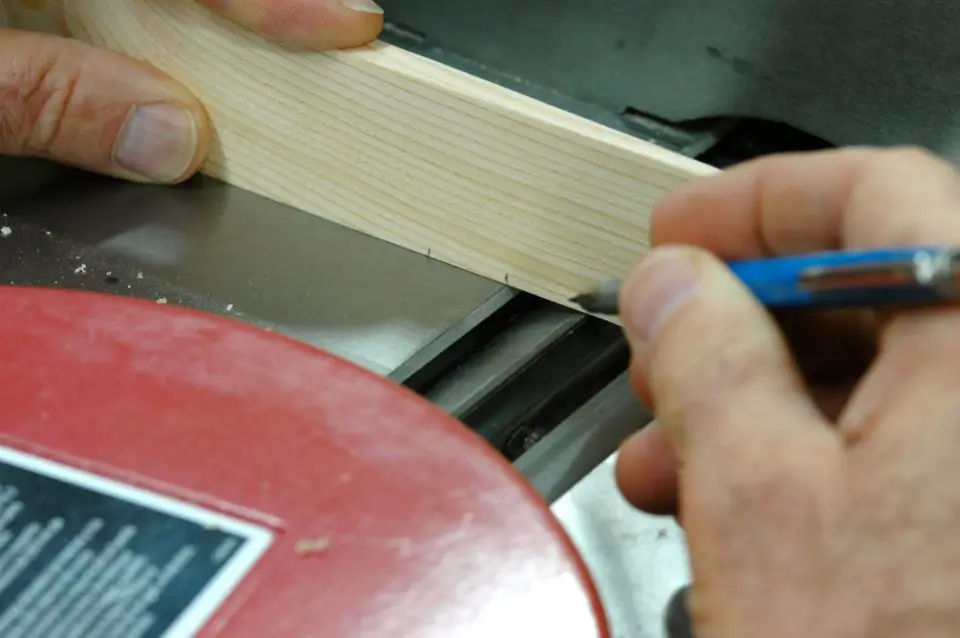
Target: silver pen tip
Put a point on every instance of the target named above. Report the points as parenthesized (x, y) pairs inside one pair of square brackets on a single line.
[(603, 299)]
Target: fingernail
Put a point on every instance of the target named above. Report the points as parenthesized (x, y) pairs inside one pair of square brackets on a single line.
[(656, 290), (363, 6), (158, 142)]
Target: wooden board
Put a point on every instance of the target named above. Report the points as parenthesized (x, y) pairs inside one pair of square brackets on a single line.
[(407, 150)]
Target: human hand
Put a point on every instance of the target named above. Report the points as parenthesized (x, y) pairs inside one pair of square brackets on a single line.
[(315, 24), (816, 486), (99, 110)]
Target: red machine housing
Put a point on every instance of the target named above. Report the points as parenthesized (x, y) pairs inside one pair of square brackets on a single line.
[(386, 517)]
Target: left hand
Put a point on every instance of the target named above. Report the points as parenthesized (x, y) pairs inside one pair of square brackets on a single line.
[(316, 24), (102, 111)]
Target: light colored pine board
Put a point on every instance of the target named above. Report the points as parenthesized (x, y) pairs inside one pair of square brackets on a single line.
[(407, 150)]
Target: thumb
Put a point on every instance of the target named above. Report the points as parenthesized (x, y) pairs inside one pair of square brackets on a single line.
[(720, 375), (96, 109)]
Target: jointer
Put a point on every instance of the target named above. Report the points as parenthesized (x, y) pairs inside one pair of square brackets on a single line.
[(544, 385)]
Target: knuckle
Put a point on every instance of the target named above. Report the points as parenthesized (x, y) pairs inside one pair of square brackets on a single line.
[(698, 389), (35, 99), (15, 75), (895, 161), (907, 155), (897, 180)]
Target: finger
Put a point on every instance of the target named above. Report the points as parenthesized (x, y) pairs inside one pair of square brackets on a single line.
[(904, 197), (916, 372), (646, 471), (317, 24), (725, 389), (773, 205), (647, 467), (832, 349), (806, 202), (98, 110), (852, 198)]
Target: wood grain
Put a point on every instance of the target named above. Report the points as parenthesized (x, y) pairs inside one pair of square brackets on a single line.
[(405, 149)]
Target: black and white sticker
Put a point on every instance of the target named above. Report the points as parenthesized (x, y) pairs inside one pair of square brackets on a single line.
[(82, 556)]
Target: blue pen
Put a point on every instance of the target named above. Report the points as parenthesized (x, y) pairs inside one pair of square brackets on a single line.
[(842, 279)]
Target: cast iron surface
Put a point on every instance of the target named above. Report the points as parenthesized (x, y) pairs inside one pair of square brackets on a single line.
[(483, 352), (638, 561), (214, 247)]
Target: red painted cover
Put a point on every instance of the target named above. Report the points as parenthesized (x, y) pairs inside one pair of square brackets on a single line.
[(390, 519)]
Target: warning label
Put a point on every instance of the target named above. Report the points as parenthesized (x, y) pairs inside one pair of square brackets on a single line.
[(82, 556)]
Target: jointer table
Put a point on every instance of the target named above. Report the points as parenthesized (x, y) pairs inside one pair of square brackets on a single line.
[(545, 386)]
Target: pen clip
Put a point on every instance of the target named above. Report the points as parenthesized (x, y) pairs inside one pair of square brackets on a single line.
[(935, 269)]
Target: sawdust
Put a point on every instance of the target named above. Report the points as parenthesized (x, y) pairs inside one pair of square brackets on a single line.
[(311, 546)]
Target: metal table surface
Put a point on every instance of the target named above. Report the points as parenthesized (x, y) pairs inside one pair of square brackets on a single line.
[(637, 561), (227, 250), (217, 248)]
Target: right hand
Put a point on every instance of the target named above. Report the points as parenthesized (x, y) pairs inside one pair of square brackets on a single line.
[(99, 110), (813, 466)]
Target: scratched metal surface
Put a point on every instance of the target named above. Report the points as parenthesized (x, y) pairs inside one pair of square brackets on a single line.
[(637, 561), (214, 247)]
